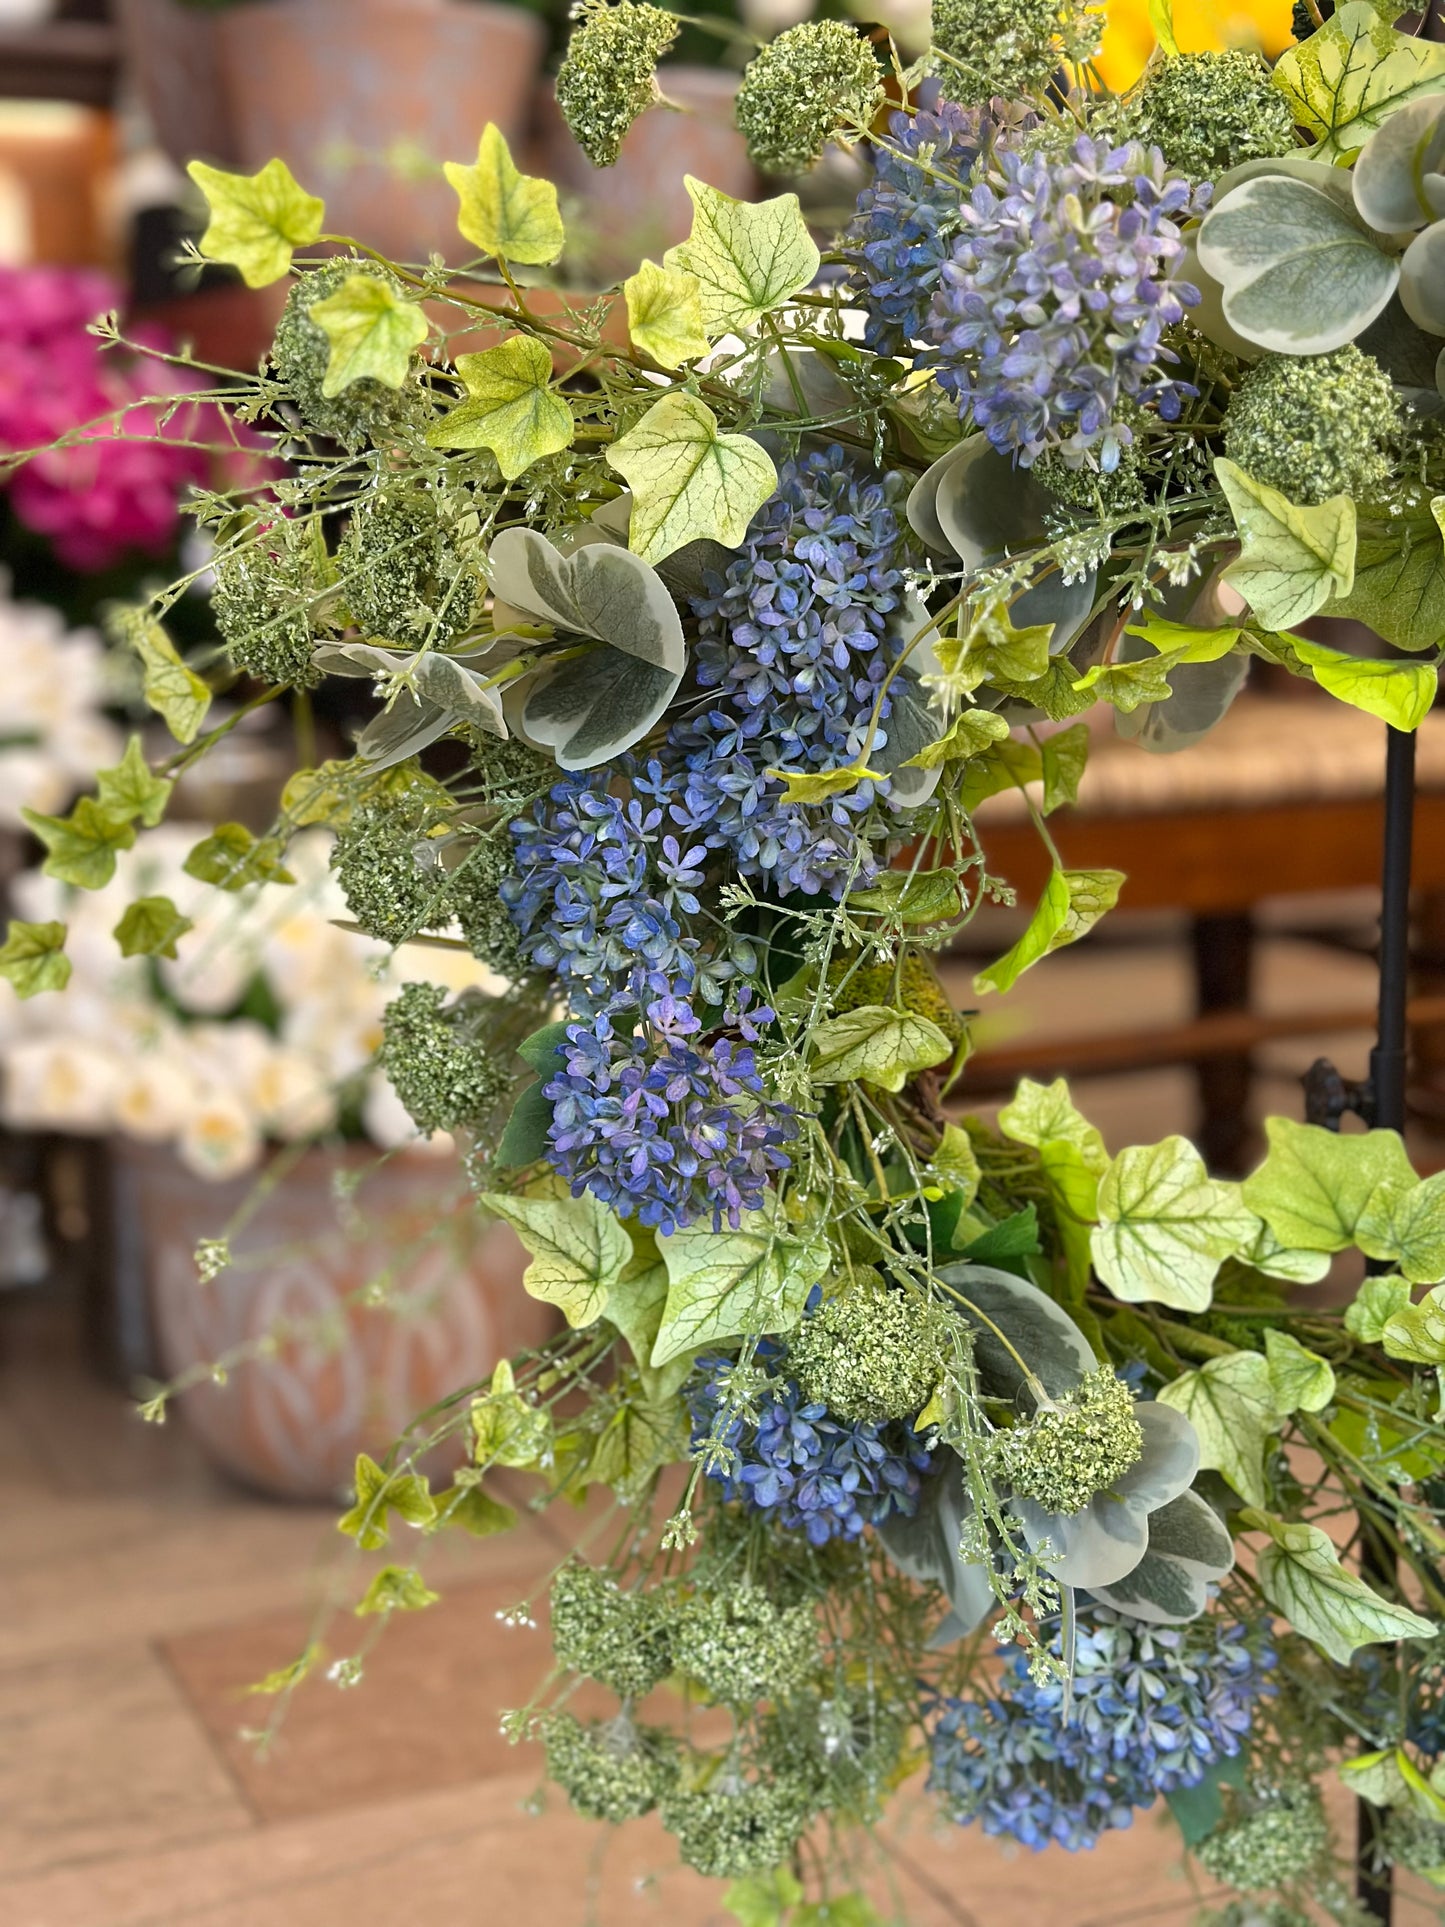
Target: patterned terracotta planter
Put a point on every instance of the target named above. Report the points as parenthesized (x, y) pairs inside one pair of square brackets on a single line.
[(345, 1377), (364, 99)]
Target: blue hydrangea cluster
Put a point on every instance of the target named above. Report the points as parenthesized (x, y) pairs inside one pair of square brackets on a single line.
[(1049, 315), (1153, 1707), (905, 220), (664, 1128), (815, 1473), (795, 640)]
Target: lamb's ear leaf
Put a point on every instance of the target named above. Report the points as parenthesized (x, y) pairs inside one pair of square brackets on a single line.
[(1011, 1316), (406, 729), (590, 710), (912, 730), (926, 1545), (625, 603), (1189, 1550)]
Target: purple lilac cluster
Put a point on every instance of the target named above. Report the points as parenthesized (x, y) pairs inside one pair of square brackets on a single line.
[(1050, 313), (1153, 1708), (904, 224), (661, 1126), (814, 1472), (796, 638)]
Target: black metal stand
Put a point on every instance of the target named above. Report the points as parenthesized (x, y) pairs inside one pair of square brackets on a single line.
[(1380, 1100)]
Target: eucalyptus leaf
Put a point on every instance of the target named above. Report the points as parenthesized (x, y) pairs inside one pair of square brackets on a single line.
[(1301, 1576), (1189, 1552), (1301, 275)]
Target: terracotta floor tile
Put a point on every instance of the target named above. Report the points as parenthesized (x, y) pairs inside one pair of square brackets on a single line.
[(99, 1756)]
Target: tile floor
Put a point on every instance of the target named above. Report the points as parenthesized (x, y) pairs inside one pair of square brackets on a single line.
[(140, 1593)]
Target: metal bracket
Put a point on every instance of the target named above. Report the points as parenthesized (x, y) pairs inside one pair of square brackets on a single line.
[(1330, 1096)]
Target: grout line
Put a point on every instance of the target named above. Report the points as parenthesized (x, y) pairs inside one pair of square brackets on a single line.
[(213, 1747)]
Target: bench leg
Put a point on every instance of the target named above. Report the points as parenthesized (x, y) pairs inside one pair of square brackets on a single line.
[(1223, 947)]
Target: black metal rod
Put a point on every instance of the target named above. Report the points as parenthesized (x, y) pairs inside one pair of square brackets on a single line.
[(1374, 1886)]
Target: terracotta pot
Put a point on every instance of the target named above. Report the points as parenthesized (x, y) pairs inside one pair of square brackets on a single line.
[(172, 55), (293, 1424), (364, 100), (639, 206)]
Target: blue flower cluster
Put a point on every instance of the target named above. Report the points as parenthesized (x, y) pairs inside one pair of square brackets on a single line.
[(904, 224), (663, 1128), (1050, 312), (1153, 1707), (815, 1473), (795, 640)]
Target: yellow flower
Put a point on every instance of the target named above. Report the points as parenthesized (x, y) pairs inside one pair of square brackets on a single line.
[(1201, 26)]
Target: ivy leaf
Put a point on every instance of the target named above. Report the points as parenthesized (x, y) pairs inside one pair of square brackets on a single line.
[(635, 1307), (1377, 1301), (1399, 693), (748, 257), (689, 483), (1352, 73), (1266, 1254), (506, 1430), (1416, 1333), (1292, 559), (379, 1493), (257, 219), (1302, 1380), (1041, 1114), (762, 1899), (725, 1284), (991, 650), (1072, 903), (1405, 1223), (396, 1589), (1314, 1185), (372, 330), (970, 733), (1004, 765), (149, 927), (1182, 641), (578, 1249), (130, 791), (475, 1511), (1399, 588), (1165, 1226), (876, 1045), (1161, 19), (1064, 757), (1300, 1574), (1127, 686), (641, 1436), (233, 859), (955, 1163), (816, 786), (82, 846), (33, 958), (510, 407), (174, 692), (1230, 1404), (285, 1679), (924, 897), (664, 314), (503, 211)]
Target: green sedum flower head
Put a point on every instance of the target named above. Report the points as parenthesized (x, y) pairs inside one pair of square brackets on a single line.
[(262, 601), (606, 80), (613, 1771), (741, 1648), (445, 1073), (726, 1833), (1209, 112), (811, 85), (1281, 1840), (390, 891), (1010, 47), (1071, 1450), (871, 1355), (1314, 426), (402, 578), (620, 1639), (1415, 1843)]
